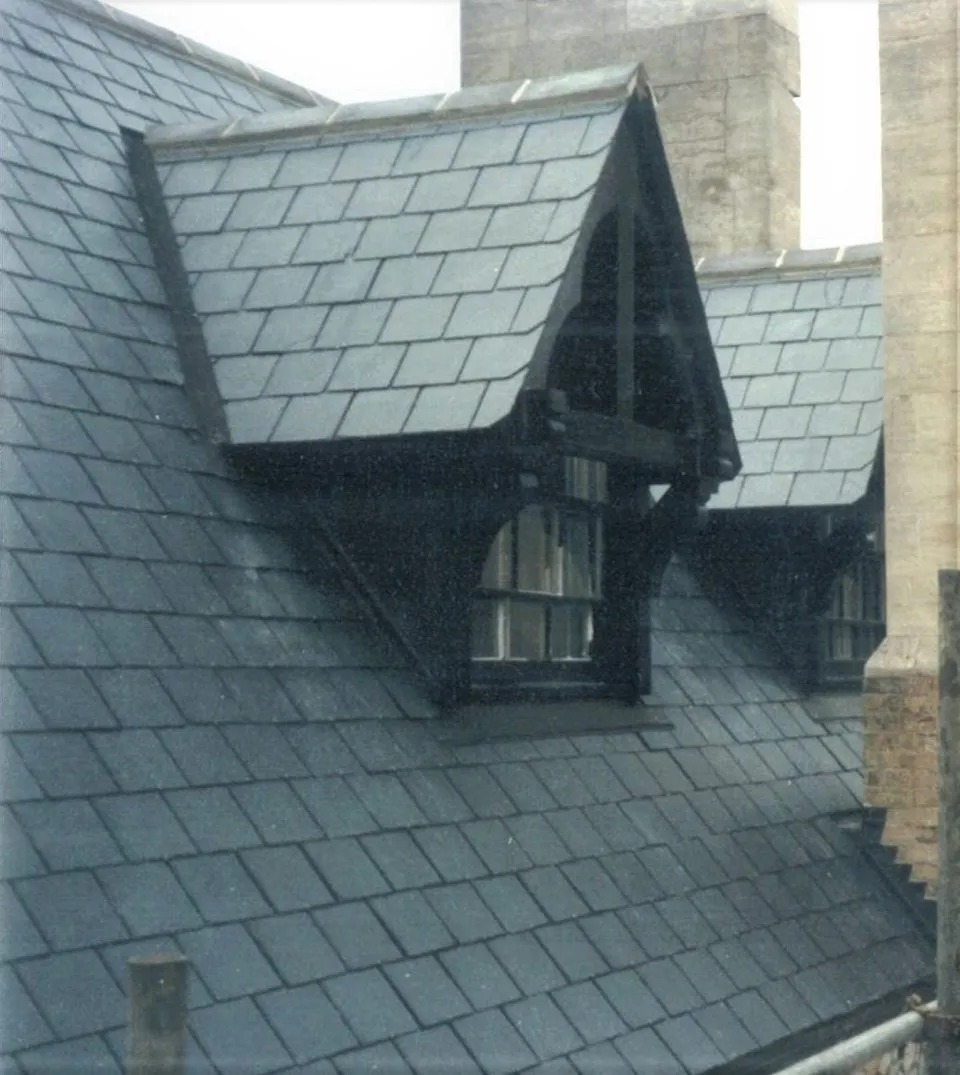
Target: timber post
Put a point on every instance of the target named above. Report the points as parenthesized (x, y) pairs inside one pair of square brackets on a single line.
[(944, 1042), (158, 1015)]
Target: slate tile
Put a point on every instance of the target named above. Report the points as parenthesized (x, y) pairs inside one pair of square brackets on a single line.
[(236, 1037), (463, 912), (427, 990), (325, 243), (20, 937), (314, 163), (21, 1024), (335, 806), (144, 826), (386, 238), (400, 860), (296, 948), (537, 839), (368, 158), (307, 418), (494, 1043), (572, 951), (63, 698), (527, 963), (433, 152), (377, 413), (95, 1002), (319, 203), (366, 367), (370, 1006), (347, 868), (71, 910), (644, 1048), (203, 755), (228, 961), (686, 1039), (555, 893), (511, 904), (480, 977), (413, 923), (387, 800), (212, 819), (276, 287), (593, 884), (121, 533), (263, 248), (357, 936), (758, 1018), (580, 837), (384, 1057), (127, 584), (286, 877), (64, 637), (738, 964), (276, 812), (63, 764), (545, 1028), (379, 197), (587, 1009), (836, 323), (323, 751), (221, 887)]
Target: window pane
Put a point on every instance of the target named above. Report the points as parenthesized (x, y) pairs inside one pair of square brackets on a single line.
[(487, 630), (585, 479), (571, 631), (528, 631), (578, 573), (536, 536), (496, 571)]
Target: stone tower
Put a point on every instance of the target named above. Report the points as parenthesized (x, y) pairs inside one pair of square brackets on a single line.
[(726, 74), (919, 62)]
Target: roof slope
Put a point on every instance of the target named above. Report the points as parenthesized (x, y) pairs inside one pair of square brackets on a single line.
[(355, 282), (205, 749), (799, 347)]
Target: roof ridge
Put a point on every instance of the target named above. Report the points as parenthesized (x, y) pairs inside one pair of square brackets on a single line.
[(159, 36), (594, 86), (796, 260)]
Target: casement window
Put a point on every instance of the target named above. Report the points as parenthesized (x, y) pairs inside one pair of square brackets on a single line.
[(854, 623), (542, 582)]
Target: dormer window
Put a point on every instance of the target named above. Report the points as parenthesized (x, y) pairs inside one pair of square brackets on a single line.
[(854, 623), (542, 582), (474, 381)]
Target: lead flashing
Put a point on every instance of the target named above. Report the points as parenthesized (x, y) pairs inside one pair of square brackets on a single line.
[(607, 84), (796, 261)]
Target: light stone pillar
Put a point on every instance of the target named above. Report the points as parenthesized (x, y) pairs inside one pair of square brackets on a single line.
[(725, 73), (919, 58)]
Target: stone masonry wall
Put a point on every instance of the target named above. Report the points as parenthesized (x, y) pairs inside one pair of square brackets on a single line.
[(900, 762), (919, 50), (725, 79)]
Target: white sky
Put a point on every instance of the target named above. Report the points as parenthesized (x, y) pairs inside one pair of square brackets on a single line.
[(379, 49)]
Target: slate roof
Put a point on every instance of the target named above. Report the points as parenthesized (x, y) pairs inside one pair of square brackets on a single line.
[(204, 749), (798, 341), (359, 275)]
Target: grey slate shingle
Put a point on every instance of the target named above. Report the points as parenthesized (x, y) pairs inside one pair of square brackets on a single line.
[(221, 888), (95, 1002)]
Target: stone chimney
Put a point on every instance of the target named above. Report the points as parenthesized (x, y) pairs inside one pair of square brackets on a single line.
[(725, 73), (919, 60)]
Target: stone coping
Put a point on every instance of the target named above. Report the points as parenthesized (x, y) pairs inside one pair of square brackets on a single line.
[(606, 84), (134, 26), (748, 264)]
